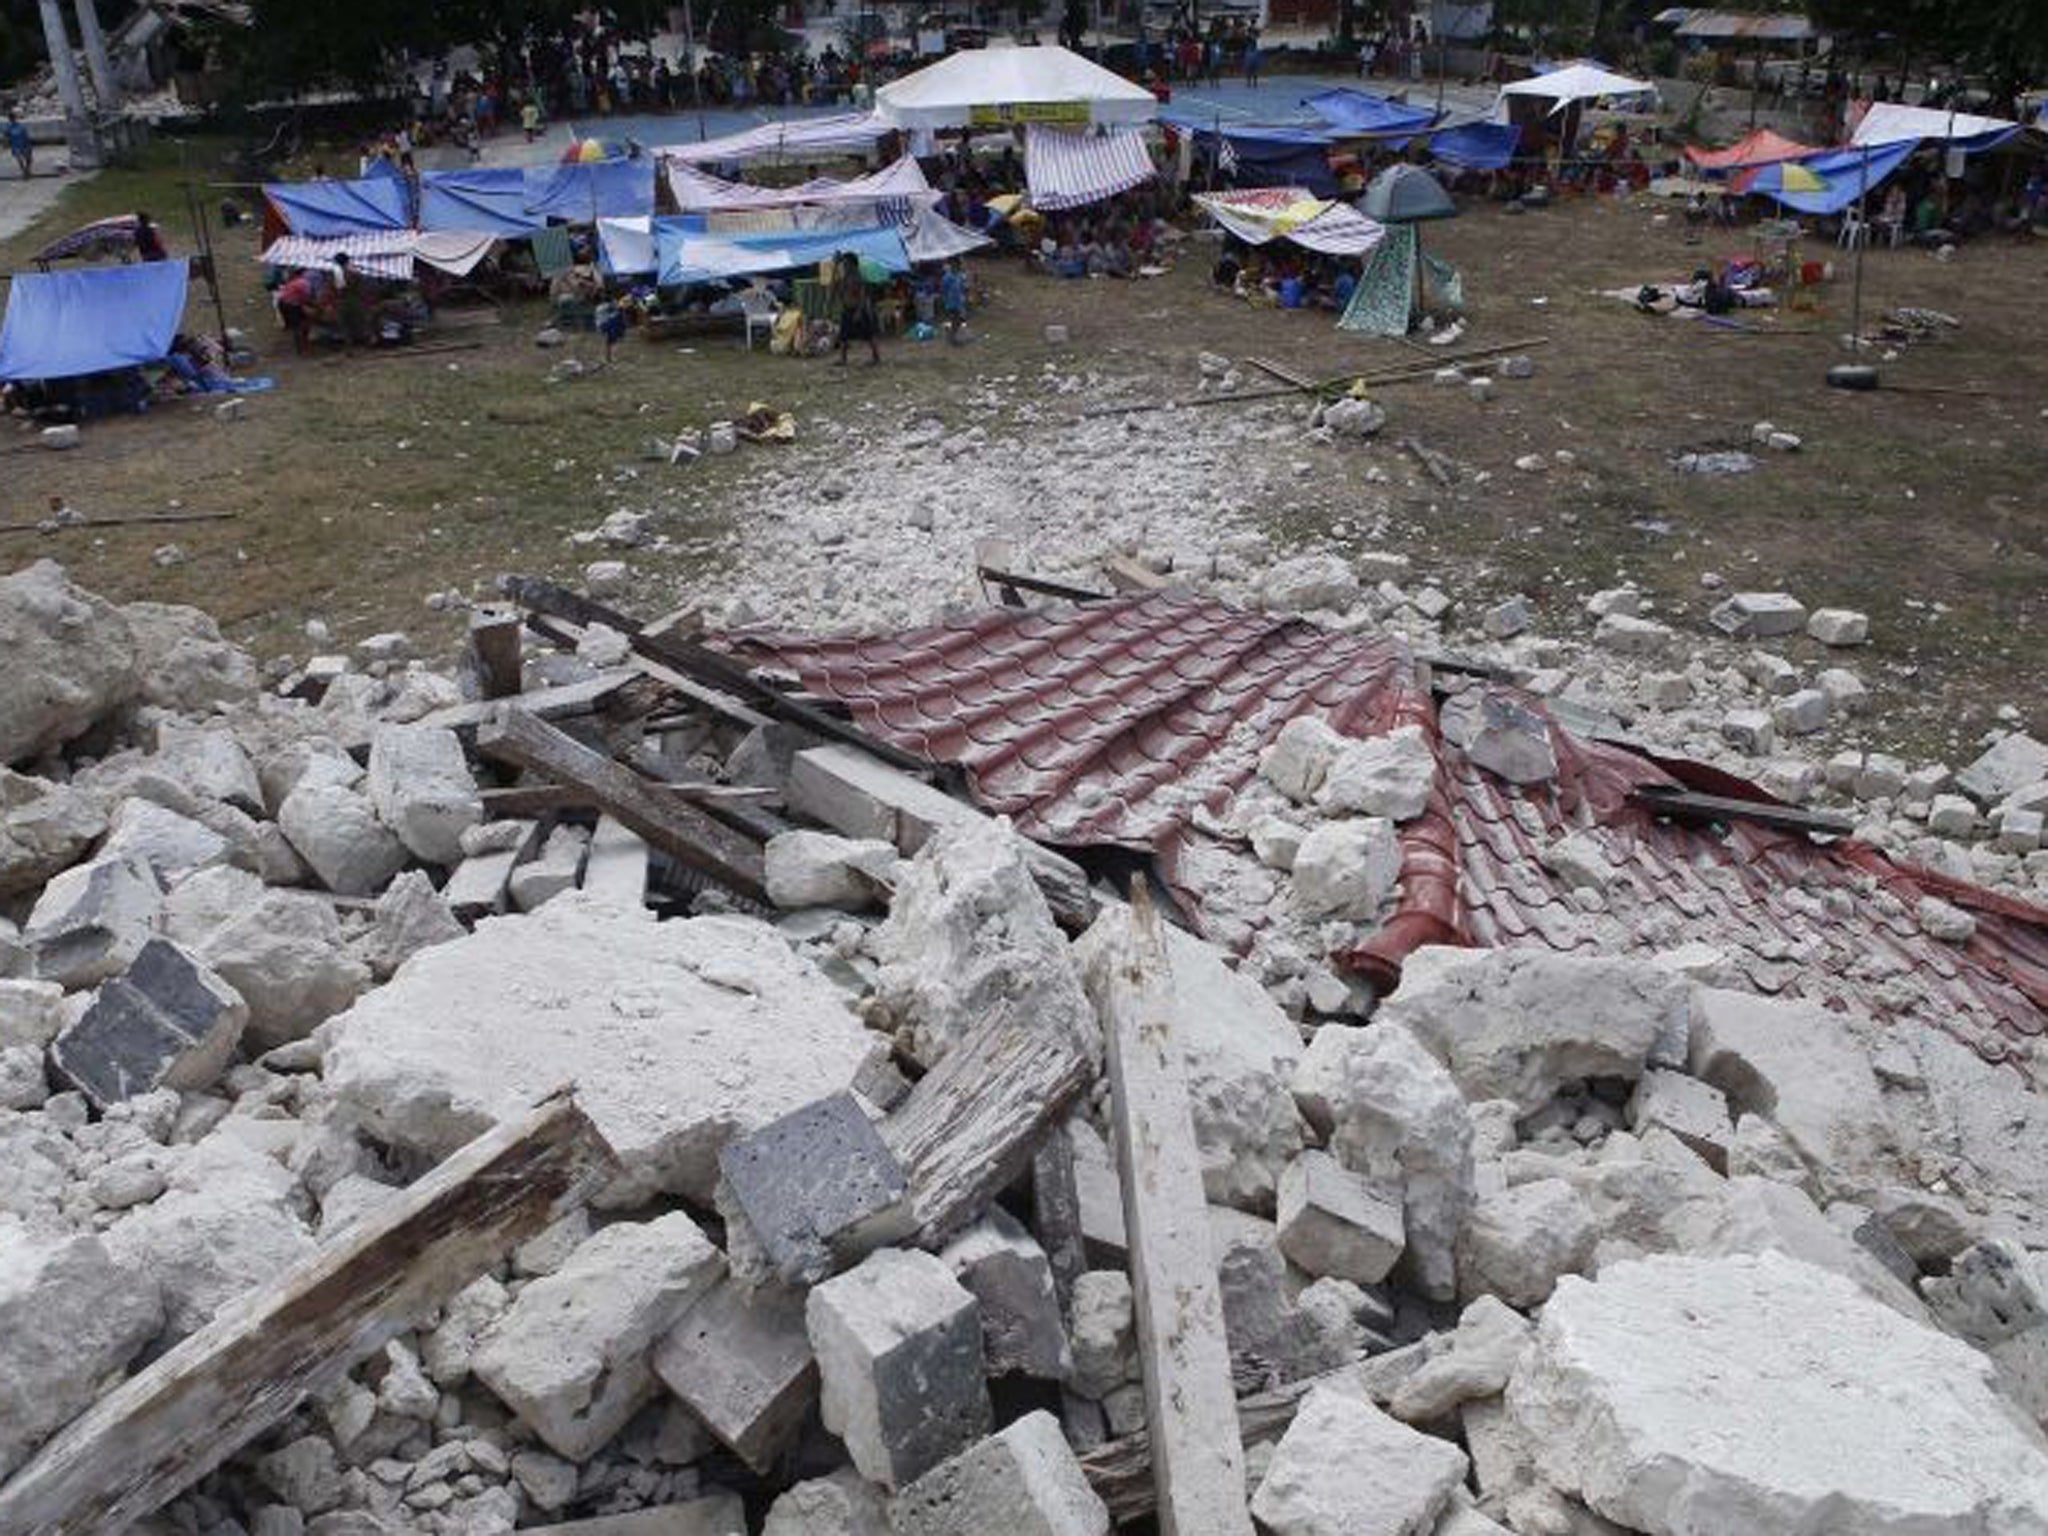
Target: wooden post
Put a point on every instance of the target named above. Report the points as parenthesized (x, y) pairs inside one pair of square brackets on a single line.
[(493, 654), (665, 820), (1190, 1400), (172, 1423)]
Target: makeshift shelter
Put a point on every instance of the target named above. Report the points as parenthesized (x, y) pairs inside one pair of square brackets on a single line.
[(1262, 154), (61, 325), (1406, 194), (326, 209), (814, 138), (1760, 147), (583, 194), (1576, 83), (626, 247), (1475, 146), (931, 236), (101, 238), (1889, 122), (1260, 215), (994, 87), (698, 191), (391, 255), (1394, 287), (1844, 176), (1072, 170), (685, 255), (480, 201), (1363, 114)]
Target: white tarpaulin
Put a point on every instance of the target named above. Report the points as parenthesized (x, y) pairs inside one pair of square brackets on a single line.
[(934, 237), (1889, 122), (1577, 82), (847, 133), (991, 87), (627, 245), (1257, 215), (383, 255), (698, 191), (1071, 170)]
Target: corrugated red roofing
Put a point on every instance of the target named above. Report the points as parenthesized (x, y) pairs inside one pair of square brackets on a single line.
[(1135, 722)]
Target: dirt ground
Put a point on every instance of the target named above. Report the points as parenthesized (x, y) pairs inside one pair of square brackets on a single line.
[(362, 485)]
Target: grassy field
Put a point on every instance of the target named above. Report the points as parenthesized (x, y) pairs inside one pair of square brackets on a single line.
[(362, 485)]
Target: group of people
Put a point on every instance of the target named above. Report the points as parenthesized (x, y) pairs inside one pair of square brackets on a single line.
[(1190, 57), (1282, 276)]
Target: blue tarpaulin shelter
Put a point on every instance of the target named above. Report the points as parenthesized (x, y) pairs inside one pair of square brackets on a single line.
[(688, 255), (60, 325), (483, 202), (324, 209), (1849, 174), (1264, 154), (1475, 146), (603, 189), (1353, 112)]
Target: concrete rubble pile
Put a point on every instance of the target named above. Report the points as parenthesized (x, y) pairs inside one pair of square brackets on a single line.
[(1533, 1243)]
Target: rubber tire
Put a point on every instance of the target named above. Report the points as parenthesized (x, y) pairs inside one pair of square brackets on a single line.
[(1860, 376)]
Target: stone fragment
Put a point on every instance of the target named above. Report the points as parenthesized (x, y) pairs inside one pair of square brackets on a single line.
[(1518, 1241), (741, 1360), (820, 869), (844, 1504), (92, 921), (1333, 1223), (1478, 1363), (70, 661), (721, 1514), (304, 1474), (1022, 1479), (1995, 1298), (1394, 1115), (165, 1022), (1764, 1395), (1951, 816), (170, 845), (44, 829), (559, 868), (1520, 1023), (31, 1014), (1838, 626), (898, 1342), (1626, 635), (1945, 921), (183, 662), (1693, 1111), (1801, 713), (337, 833), (1010, 1278), (1750, 731), (446, 1352), (1298, 758), (421, 786), (1347, 869), (969, 934), (1759, 615), (1105, 1345), (679, 1036), (410, 916), (1309, 582), (282, 951), (570, 1356), (1388, 775), (73, 1319), (2009, 765), (817, 1188), (1508, 618), (1344, 1468)]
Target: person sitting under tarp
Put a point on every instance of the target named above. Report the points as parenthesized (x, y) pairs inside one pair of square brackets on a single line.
[(195, 365)]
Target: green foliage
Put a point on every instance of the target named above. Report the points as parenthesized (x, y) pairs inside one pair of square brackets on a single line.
[(2005, 42)]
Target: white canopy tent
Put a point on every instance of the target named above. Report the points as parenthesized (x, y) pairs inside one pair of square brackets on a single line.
[(1576, 82), (1890, 122), (993, 87)]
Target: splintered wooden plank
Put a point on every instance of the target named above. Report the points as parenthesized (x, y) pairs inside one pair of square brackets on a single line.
[(1190, 1401), (971, 1124), (1056, 1212), (493, 654), (665, 820), (172, 1423)]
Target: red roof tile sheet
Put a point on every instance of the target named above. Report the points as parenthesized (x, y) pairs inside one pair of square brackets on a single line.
[(1135, 722)]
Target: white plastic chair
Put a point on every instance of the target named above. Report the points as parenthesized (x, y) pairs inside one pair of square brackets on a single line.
[(759, 308), (1855, 231)]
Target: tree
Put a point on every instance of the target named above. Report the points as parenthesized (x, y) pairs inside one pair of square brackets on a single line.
[(2005, 42)]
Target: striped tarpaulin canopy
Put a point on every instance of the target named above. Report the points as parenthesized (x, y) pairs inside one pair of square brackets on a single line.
[(389, 256), (1072, 170)]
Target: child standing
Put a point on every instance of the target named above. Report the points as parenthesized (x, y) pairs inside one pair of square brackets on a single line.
[(953, 302)]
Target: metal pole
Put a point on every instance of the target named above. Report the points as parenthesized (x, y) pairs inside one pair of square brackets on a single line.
[(1856, 302), (96, 60)]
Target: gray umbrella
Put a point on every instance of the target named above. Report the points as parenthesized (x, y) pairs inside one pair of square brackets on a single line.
[(1406, 194)]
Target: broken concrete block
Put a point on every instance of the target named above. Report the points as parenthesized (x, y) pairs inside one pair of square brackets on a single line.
[(570, 1357), (1394, 1115), (615, 868), (1299, 757), (479, 886), (1347, 869), (2009, 765), (92, 921), (1759, 615), (1508, 618), (1309, 582), (71, 659), (1627, 635), (44, 829), (281, 950), (679, 1036), (1333, 1223), (1010, 1278), (741, 1360), (1802, 713), (1517, 1241), (1023, 1479), (898, 1342), (1478, 1363), (1951, 816), (1105, 1345), (558, 868), (421, 786), (337, 833), (844, 1504), (73, 1319), (1838, 626), (819, 869), (1995, 1297), (817, 1188), (1344, 1468), (1271, 1338), (1388, 775), (31, 1014), (165, 1022), (1845, 690), (1750, 731), (1520, 1023), (410, 916), (1719, 1394), (1693, 1111), (969, 934)]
